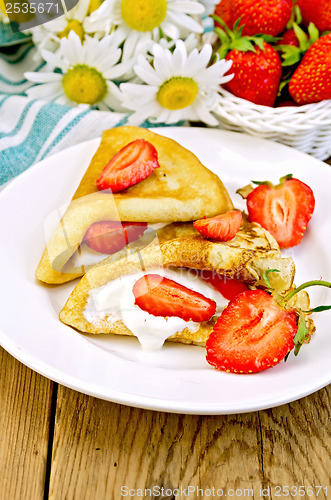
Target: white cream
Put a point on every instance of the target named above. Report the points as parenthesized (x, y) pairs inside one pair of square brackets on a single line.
[(86, 257), (115, 301)]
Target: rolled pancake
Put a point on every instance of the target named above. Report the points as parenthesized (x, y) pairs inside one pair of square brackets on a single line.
[(182, 189), (247, 256)]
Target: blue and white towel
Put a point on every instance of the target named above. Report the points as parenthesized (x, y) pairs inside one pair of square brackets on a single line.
[(31, 130)]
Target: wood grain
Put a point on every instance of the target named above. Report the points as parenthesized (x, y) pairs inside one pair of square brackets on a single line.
[(296, 442), (25, 402), (100, 447)]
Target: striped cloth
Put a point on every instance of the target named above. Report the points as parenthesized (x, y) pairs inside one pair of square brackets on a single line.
[(30, 130)]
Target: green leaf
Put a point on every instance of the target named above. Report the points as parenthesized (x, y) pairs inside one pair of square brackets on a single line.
[(258, 183), (283, 85), (259, 42), (285, 178), (302, 37), (290, 55), (302, 334), (243, 44), (318, 309), (313, 33), (266, 276)]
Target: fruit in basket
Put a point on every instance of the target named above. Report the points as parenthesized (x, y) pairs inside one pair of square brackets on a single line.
[(256, 16), (256, 74), (311, 81), (317, 12), (290, 38), (256, 65), (283, 210)]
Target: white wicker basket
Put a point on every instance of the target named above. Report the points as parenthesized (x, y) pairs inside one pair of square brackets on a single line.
[(307, 128)]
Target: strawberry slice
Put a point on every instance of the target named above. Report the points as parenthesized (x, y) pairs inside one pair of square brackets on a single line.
[(161, 296), (222, 227), (132, 164), (228, 287), (109, 237), (252, 334), (284, 210)]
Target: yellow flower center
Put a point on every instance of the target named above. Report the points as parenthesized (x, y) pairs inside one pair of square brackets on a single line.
[(143, 15), (84, 84), (75, 26), (177, 93), (93, 5), (3, 6)]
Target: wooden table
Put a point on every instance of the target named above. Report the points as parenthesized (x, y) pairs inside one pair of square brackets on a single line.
[(57, 443)]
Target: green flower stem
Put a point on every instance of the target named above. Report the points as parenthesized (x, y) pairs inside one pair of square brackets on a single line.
[(304, 285)]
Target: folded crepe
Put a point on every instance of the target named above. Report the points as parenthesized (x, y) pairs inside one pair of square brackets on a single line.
[(247, 256), (182, 189)]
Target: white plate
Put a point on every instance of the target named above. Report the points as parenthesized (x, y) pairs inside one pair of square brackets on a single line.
[(177, 379)]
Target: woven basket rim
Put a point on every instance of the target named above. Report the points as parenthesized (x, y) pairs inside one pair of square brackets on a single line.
[(283, 110)]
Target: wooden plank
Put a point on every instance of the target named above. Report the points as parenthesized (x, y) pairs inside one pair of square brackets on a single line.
[(296, 443), (100, 447), (25, 403)]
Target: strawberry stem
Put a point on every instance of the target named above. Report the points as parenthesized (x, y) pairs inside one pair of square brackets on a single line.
[(289, 296)]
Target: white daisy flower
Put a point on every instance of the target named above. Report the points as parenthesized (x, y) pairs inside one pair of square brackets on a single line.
[(138, 21), (88, 71), (179, 86), (48, 35)]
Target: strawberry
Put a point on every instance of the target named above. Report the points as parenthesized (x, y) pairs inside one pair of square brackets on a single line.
[(284, 210), (228, 287), (317, 12), (252, 334), (224, 10), (269, 17), (222, 227), (256, 331), (256, 75), (161, 296), (311, 81), (109, 237), (289, 37), (132, 164), (256, 65)]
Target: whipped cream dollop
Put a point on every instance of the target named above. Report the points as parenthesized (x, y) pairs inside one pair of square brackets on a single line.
[(115, 301)]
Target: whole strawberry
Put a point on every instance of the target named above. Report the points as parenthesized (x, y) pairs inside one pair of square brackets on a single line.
[(256, 74), (311, 81), (317, 12), (269, 17), (256, 65)]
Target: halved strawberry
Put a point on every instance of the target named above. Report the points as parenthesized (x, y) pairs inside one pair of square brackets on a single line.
[(252, 334), (222, 227), (228, 287), (130, 165), (161, 296), (284, 210), (109, 237)]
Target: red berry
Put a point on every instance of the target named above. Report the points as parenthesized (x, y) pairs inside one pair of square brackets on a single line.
[(283, 210), (252, 334), (222, 227), (132, 164), (109, 237), (164, 297), (256, 74)]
